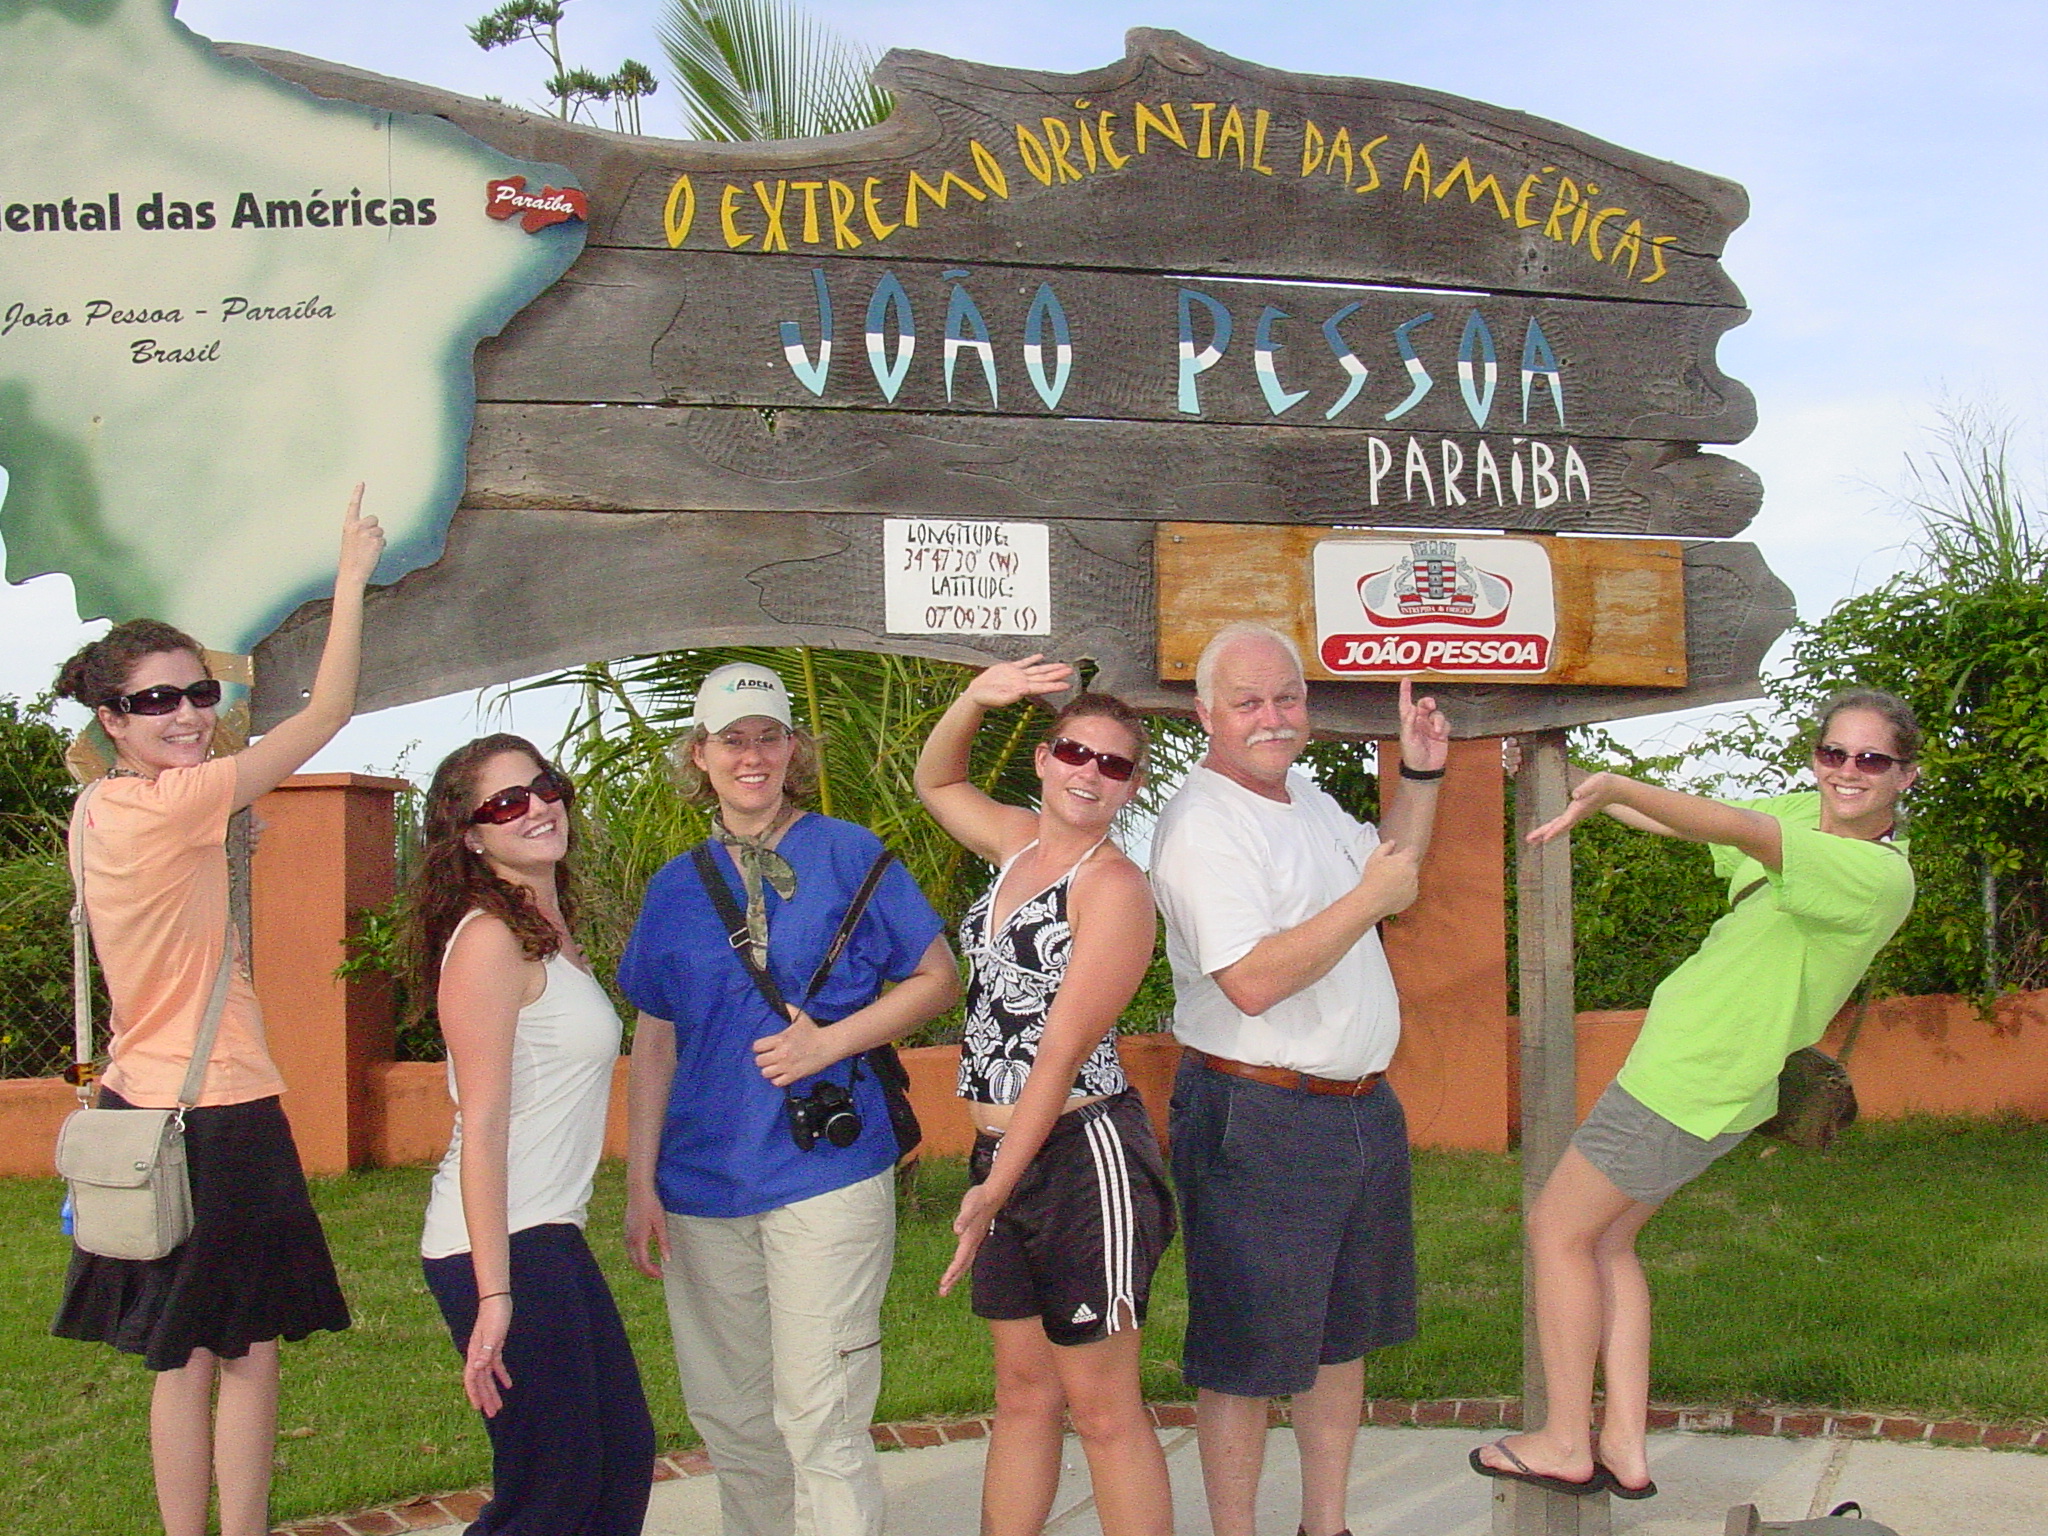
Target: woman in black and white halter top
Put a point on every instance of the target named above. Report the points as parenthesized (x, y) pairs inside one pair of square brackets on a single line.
[(1068, 1211), (1018, 967)]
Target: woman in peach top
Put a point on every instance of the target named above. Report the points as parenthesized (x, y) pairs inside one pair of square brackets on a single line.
[(151, 839)]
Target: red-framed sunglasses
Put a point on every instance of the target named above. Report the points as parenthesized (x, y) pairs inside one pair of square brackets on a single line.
[(511, 804), (1074, 755), (165, 698)]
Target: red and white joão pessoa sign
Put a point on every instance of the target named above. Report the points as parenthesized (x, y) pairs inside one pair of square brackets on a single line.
[(1464, 607)]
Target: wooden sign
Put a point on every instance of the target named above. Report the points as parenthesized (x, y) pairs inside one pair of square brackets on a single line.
[(1604, 613), (1180, 289)]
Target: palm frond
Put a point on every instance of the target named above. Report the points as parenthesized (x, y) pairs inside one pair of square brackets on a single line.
[(765, 69)]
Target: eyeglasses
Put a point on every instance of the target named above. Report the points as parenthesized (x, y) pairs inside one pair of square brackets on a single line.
[(165, 698), (1866, 762), (1074, 755), (511, 804), (738, 741)]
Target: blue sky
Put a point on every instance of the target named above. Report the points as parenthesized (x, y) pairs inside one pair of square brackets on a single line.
[(1892, 155)]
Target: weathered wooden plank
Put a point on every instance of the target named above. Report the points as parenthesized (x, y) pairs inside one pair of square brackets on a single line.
[(1425, 188), (1213, 575), (699, 327), (745, 459), (1620, 612), (650, 582), (774, 500), (1620, 603)]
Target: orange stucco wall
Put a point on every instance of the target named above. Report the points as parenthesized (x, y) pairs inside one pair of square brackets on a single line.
[(325, 854), (1916, 1055), (415, 1113), (1913, 1055)]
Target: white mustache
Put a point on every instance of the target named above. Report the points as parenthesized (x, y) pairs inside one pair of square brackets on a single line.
[(1260, 738)]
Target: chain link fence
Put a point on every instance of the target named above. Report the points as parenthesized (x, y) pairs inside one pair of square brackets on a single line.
[(35, 964), (35, 893)]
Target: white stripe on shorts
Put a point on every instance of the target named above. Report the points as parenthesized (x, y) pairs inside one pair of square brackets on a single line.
[(1119, 1222)]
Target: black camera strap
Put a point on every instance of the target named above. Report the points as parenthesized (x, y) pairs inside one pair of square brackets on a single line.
[(729, 913)]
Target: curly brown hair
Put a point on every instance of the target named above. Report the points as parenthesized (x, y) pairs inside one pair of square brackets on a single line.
[(99, 672), (452, 880)]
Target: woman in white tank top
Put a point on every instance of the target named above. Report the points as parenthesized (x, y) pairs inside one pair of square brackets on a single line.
[(532, 1041)]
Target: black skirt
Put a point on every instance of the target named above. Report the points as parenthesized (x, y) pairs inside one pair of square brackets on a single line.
[(256, 1266)]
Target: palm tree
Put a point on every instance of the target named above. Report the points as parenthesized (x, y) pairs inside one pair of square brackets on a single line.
[(743, 70), (869, 713)]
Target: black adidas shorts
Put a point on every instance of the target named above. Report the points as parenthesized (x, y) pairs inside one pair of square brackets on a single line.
[(1084, 1228)]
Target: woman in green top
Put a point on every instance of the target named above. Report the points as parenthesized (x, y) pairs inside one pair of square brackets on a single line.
[(1817, 885)]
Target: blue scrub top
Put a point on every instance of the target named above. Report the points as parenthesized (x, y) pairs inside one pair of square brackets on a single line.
[(725, 1144)]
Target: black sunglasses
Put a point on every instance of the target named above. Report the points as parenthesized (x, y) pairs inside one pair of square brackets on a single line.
[(511, 804), (165, 698), (1866, 762), (1074, 755)]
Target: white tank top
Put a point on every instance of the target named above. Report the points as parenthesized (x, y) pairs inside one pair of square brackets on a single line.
[(564, 1047)]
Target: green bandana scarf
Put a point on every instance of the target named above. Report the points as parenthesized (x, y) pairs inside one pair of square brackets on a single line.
[(758, 862)]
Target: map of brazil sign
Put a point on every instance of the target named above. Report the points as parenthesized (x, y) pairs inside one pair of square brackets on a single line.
[(222, 302)]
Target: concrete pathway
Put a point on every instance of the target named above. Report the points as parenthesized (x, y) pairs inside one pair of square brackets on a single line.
[(1414, 1482)]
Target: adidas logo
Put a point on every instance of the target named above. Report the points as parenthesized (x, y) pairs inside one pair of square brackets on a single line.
[(1084, 1313)]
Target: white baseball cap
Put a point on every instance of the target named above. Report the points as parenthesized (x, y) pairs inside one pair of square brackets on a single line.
[(739, 690)]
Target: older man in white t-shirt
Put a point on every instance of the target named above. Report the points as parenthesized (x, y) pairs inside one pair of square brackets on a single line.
[(1289, 1150)]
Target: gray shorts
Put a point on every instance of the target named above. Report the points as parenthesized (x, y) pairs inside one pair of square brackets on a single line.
[(1646, 1156)]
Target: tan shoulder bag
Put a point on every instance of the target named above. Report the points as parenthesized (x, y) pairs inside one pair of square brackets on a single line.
[(131, 1197)]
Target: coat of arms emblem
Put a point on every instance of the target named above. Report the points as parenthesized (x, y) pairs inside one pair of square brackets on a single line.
[(1435, 585)]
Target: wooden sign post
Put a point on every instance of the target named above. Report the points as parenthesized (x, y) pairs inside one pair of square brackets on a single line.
[(1543, 887)]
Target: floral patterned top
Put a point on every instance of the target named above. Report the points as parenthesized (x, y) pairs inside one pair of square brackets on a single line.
[(1017, 971)]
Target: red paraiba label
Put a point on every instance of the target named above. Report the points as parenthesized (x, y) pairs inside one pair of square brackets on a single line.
[(1356, 655), (536, 210)]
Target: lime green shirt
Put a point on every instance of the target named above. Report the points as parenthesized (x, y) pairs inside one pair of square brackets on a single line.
[(1771, 974)]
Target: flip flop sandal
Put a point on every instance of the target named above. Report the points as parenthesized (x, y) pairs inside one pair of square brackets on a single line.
[(1597, 1483), (1620, 1489)]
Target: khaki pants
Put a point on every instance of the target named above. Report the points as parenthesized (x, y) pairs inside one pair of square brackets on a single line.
[(777, 1320)]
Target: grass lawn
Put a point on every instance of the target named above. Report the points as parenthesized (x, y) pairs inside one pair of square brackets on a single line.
[(1906, 1271)]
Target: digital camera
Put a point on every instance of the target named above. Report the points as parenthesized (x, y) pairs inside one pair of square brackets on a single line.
[(825, 1113)]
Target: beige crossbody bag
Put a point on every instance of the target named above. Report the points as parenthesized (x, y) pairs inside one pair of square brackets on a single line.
[(131, 1197)]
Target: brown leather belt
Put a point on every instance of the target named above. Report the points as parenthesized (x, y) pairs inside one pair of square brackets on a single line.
[(1281, 1077)]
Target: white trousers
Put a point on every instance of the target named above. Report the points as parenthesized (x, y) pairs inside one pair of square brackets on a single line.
[(777, 1320)]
